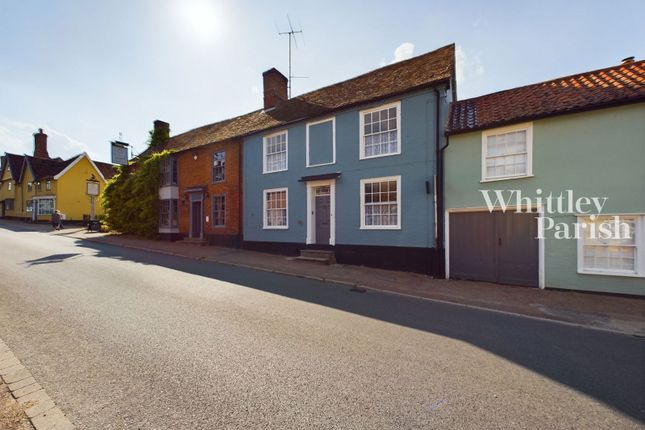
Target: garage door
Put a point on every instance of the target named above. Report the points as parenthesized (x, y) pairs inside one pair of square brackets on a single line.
[(495, 247)]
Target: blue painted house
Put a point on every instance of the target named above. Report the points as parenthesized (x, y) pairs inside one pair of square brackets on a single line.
[(352, 167)]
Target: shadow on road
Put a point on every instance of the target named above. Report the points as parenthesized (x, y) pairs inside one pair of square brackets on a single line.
[(608, 367), (54, 258)]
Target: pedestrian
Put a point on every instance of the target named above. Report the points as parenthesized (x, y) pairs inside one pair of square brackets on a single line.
[(55, 220), (61, 218)]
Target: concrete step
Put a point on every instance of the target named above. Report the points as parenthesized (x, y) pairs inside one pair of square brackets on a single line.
[(317, 255)]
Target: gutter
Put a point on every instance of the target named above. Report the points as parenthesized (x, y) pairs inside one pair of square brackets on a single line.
[(439, 217)]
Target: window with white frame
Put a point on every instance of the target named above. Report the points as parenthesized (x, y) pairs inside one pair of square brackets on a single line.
[(48, 185), (381, 203), (168, 213), (30, 206), (219, 166), (276, 208), (45, 206), (380, 130), (612, 245), (507, 152), (219, 210), (275, 152), (9, 186), (30, 186)]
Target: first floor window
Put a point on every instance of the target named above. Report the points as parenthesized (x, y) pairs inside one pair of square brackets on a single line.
[(168, 171), (30, 186), (9, 186), (381, 203), (219, 167), (380, 131), (168, 213), (275, 152), (219, 211), (275, 208), (48, 185), (507, 152), (45, 206), (612, 245)]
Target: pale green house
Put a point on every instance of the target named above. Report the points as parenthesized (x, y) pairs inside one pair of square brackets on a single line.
[(579, 139)]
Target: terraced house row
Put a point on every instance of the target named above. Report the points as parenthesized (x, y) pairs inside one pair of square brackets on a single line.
[(389, 169)]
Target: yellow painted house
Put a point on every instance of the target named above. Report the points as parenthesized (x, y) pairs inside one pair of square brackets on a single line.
[(33, 187)]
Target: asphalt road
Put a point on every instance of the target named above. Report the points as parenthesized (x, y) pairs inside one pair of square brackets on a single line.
[(124, 339)]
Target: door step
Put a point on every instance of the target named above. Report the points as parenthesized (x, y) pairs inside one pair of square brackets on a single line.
[(317, 255)]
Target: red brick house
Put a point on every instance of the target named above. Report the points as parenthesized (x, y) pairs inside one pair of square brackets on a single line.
[(201, 187)]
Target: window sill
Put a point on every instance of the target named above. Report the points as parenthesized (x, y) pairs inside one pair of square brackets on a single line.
[(362, 157), (275, 171), (318, 165), (363, 227), (275, 228), (505, 178), (602, 273)]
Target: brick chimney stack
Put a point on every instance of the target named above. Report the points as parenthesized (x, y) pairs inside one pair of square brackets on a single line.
[(275, 88), (40, 144)]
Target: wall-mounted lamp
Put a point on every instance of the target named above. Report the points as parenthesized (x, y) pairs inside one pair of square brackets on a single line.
[(195, 155)]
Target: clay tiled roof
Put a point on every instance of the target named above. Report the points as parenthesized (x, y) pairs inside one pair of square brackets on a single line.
[(107, 170), (419, 72), (47, 168), (612, 86)]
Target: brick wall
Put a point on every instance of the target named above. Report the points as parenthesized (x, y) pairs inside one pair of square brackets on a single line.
[(199, 173)]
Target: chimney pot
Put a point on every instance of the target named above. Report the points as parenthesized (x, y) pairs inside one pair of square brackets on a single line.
[(275, 88), (40, 144)]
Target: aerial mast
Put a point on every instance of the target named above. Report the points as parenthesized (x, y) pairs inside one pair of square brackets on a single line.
[(292, 36)]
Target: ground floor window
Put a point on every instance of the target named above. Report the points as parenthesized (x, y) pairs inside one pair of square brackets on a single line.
[(168, 213), (8, 204), (612, 245), (45, 206), (381, 203), (275, 208), (30, 206), (219, 211)]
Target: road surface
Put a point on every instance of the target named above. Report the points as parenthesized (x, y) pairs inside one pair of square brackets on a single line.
[(126, 339)]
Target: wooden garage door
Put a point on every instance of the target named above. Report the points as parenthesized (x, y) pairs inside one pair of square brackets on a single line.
[(494, 247)]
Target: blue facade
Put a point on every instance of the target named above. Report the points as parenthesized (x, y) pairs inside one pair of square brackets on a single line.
[(415, 164)]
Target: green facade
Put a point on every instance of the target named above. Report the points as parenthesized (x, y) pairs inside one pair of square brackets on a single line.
[(596, 153)]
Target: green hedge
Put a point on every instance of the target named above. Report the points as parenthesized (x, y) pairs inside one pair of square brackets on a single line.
[(131, 197)]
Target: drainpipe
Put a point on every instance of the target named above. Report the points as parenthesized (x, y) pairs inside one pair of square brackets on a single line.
[(439, 217)]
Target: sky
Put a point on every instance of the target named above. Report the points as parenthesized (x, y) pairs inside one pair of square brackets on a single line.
[(89, 72)]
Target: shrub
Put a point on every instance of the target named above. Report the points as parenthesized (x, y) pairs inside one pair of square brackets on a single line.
[(131, 197)]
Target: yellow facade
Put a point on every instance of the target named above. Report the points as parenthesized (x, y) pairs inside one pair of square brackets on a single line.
[(71, 191), (10, 190), (66, 192)]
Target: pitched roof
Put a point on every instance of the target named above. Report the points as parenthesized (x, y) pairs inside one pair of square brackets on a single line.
[(612, 86), (107, 170), (416, 73), (14, 161), (43, 168)]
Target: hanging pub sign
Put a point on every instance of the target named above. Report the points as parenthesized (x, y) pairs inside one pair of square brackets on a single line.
[(119, 152)]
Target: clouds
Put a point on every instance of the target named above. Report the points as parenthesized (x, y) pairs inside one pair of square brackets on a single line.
[(403, 52), (17, 138), (470, 70)]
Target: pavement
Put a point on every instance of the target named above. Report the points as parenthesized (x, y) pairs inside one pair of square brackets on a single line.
[(601, 311), (122, 338)]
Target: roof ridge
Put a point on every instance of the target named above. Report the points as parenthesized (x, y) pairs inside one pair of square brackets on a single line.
[(387, 66), (573, 75)]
